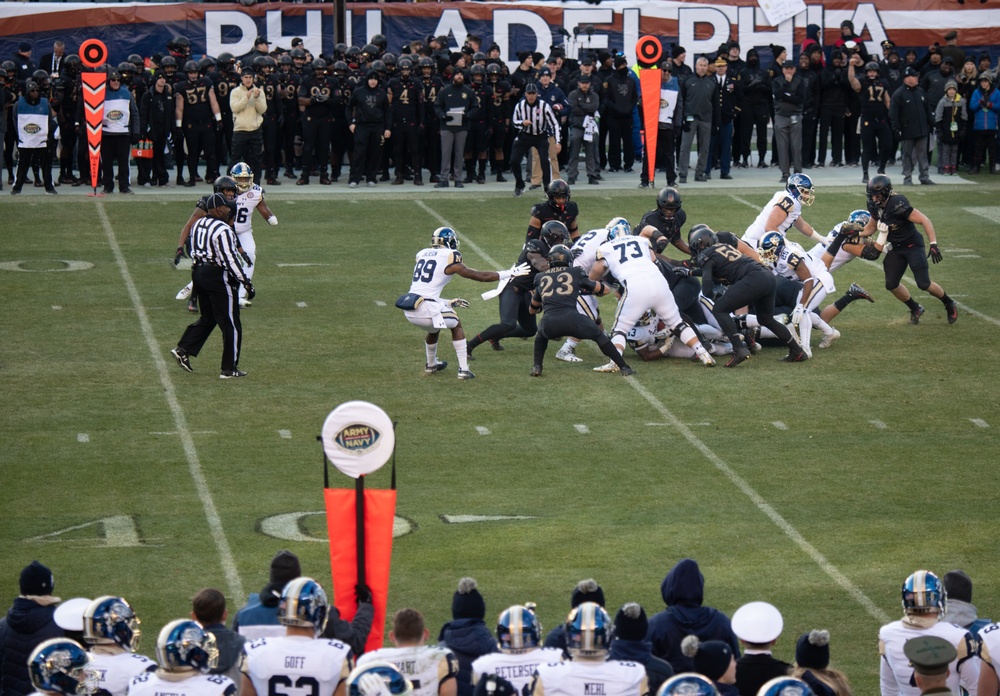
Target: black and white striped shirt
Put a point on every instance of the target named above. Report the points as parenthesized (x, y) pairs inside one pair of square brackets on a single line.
[(213, 242), (543, 119)]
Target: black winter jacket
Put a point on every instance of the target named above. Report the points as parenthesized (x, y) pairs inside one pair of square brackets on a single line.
[(27, 624)]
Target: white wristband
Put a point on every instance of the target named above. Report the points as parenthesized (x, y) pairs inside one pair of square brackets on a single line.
[(177, 122), (504, 275), (218, 117), (273, 220)]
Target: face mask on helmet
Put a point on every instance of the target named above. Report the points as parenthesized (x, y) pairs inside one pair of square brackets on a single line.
[(618, 227), (668, 202), (184, 645), (558, 193), (769, 248), (445, 237), (801, 187), (60, 666), (111, 620)]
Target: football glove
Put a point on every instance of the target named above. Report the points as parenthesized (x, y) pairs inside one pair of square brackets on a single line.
[(373, 685), (882, 227), (797, 314), (273, 220), (251, 291), (521, 270), (178, 255), (458, 303), (246, 258), (935, 254)]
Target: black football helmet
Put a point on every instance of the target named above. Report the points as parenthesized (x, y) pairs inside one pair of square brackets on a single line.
[(353, 54), (339, 51), (180, 46), (319, 65), (480, 72), (554, 232), (169, 65), (405, 66), (560, 256), (226, 185), (426, 65), (226, 63), (879, 189), (668, 201), (72, 65), (493, 69), (340, 68), (700, 238), (558, 188), (136, 60), (298, 54), (259, 65), (191, 67), (380, 41), (207, 63)]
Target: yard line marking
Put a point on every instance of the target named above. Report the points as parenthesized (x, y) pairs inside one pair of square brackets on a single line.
[(285, 434), (991, 213), (581, 428), (300, 265), (965, 256), (879, 425), (301, 304), (460, 519), (745, 202), (979, 422), (82, 437), (174, 432), (482, 430), (465, 239), (831, 570), (380, 303), (56, 307), (779, 425), (180, 420), (656, 424)]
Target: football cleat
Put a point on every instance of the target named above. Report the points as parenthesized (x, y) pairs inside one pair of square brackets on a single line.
[(628, 371), (740, 354), (859, 292), (567, 355), (536, 371), (952, 308), (795, 356), (303, 603), (916, 314), (184, 645), (182, 359), (184, 293), (110, 620), (751, 336), (495, 344), (193, 305), (436, 367), (518, 627), (466, 374), (59, 666), (829, 338), (609, 367), (232, 374), (706, 359)]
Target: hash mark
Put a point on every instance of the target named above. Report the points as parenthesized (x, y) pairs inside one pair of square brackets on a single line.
[(581, 428), (879, 425), (482, 430), (82, 437), (779, 425), (979, 422), (285, 434), (301, 304)]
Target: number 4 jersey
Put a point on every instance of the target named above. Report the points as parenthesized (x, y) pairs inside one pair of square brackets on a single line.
[(296, 666)]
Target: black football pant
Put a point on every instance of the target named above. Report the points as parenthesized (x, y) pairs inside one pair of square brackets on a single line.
[(852, 144), (68, 134), (288, 129), (200, 138), (809, 125), (561, 323), (754, 117), (272, 150), (115, 148), (406, 149), (515, 319), (896, 260), (831, 123), (218, 301), (876, 139), (522, 143), (341, 143), (757, 289), (367, 152), (246, 148), (159, 176), (431, 144), (224, 142), (315, 144), (620, 142)]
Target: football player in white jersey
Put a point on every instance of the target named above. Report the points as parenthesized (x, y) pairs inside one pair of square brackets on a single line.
[(423, 306), (431, 669), (584, 255), (632, 262), (923, 602), (783, 211), (588, 636), (300, 661), (519, 636), (186, 654), (250, 197), (111, 630), (60, 666), (789, 260), (989, 653), (651, 340)]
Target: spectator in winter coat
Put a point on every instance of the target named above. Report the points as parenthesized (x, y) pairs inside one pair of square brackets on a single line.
[(908, 115), (985, 106), (630, 645), (683, 591), (28, 623), (950, 120), (467, 635)]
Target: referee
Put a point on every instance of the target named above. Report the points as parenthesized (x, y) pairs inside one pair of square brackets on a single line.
[(535, 122), (215, 275)]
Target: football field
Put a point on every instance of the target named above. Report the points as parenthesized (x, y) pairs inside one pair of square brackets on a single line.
[(817, 487)]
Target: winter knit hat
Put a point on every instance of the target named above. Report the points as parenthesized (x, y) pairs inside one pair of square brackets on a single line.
[(677, 51), (631, 622), (950, 84), (285, 567), (957, 584), (467, 602), (37, 580), (813, 650), (586, 591), (711, 658)]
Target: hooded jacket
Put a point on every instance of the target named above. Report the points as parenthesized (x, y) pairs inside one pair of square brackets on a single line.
[(27, 624), (468, 639), (683, 591)]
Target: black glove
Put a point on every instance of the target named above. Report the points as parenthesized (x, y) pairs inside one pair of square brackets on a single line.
[(246, 258), (364, 593), (935, 254), (178, 255), (251, 292)]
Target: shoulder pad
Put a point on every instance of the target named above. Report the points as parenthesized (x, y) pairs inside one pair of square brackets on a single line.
[(202, 203), (728, 238), (536, 246), (538, 210), (456, 257), (572, 209), (786, 203)]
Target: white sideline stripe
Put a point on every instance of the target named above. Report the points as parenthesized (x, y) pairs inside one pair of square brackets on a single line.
[(380, 303), (82, 437), (581, 428), (482, 430), (966, 256), (762, 505), (979, 422), (879, 425), (180, 421), (779, 425), (285, 434)]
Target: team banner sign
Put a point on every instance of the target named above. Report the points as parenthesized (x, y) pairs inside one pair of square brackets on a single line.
[(575, 25)]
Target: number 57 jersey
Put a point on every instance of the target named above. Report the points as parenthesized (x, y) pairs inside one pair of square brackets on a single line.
[(296, 665)]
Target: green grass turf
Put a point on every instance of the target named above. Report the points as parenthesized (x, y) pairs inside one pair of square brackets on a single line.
[(621, 503)]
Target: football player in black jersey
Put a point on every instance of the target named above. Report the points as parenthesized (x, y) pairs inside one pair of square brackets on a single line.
[(895, 220), (556, 293), (666, 221), (516, 320), (558, 206), (876, 136), (748, 281)]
